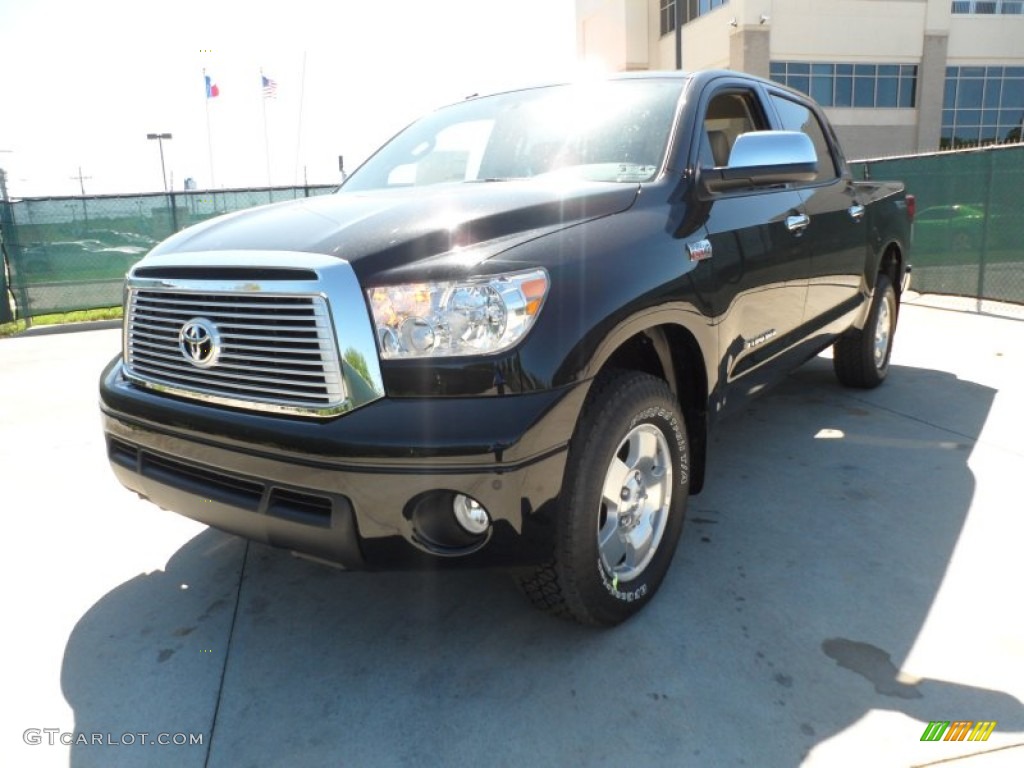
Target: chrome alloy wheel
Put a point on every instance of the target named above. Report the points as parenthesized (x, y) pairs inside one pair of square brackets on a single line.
[(883, 333), (635, 501)]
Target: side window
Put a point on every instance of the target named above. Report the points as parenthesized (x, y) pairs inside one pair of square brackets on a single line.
[(729, 114), (797, 117)]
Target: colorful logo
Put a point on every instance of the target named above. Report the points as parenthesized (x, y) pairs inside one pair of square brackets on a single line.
[(959, 730)]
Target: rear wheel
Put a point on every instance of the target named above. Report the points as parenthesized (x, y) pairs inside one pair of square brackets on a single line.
[(622, 507), (861, 357)]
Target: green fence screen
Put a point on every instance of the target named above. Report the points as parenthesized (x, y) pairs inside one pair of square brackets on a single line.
[(969, 229), (68, 253)]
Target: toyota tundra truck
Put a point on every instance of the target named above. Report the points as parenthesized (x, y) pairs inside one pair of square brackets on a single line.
[(504, 339)]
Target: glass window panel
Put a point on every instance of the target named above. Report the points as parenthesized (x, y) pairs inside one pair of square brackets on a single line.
[(908, 70), (972, 71), (1011, 117), (952, 71), (868, 70), (990, 117), (969, 93), (888, 70), (993, 72), (844, 92), (799, 68), (993, 90), (888, 92), (796, 117), (989, 133), (1015, 72), (947, 118), (800, 82), (777, 68), (907, 92), (968, 133), (949, 101), (844, 69), (968, 117), (821, 90), (823, 69), (864, 92), (1013, 93)]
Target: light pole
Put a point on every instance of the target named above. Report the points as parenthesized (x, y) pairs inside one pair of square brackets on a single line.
[(160, 139), (3, 180)]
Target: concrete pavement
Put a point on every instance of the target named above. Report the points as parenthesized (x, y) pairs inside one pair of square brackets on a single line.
[(851, 572)]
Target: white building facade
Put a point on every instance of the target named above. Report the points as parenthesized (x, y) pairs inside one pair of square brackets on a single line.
[(895, 76)]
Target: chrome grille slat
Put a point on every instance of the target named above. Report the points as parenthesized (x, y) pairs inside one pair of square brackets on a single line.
[(277, 401), (254, 382), (272, 350), (152, 355), (219, 309), (157, 301), (246, 371), (155, 339)]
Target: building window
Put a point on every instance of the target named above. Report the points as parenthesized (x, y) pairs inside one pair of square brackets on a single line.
[(668, 16), (690, 10), (989, 7), (982, 105), (881, 86)]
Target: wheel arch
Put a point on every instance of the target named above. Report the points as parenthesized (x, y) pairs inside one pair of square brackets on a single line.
[(893, 265), (662, 346)]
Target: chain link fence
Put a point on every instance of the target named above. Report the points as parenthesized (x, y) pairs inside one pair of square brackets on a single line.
[(969, 228), (69, 253)]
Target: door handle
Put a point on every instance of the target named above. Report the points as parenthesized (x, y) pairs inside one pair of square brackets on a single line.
[(798, 223), (856, 212)]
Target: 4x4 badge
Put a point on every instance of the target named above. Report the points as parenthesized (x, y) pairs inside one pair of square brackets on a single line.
[(700, 250)]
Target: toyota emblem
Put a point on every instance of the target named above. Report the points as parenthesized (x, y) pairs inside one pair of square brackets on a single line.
[(199, 342)]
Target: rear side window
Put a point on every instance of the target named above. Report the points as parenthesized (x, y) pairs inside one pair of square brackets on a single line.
[(797, 117)]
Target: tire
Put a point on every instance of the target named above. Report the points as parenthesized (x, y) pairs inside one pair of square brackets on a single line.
[(622, 505), (861, 357)]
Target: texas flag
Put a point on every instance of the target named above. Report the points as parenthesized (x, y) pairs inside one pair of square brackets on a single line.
[(212, 91)]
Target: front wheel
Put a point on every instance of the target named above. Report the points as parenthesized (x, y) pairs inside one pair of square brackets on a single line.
[(622, 506), (861, 357)]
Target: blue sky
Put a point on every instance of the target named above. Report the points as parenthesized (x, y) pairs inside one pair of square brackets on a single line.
[(86, 81)]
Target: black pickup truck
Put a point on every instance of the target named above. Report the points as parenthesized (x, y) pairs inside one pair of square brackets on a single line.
[(503, 340)]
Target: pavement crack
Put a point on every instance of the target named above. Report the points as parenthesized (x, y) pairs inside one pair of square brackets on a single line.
[(227, 653)]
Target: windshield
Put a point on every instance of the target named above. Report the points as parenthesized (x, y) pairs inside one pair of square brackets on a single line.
[(611, 131)]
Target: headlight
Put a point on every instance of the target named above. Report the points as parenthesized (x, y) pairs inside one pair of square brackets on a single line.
[(478, 316)]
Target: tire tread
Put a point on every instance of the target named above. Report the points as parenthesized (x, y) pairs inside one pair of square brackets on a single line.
[(554, 586)]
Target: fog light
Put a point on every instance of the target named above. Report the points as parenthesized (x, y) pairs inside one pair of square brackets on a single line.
[(470, 515)]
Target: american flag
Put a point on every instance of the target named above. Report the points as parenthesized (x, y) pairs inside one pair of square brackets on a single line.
[(269, 87)]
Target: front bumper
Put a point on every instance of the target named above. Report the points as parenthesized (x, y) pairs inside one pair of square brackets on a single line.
[(371, 489)]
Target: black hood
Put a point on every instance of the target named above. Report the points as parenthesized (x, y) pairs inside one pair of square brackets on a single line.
[(440, 227)]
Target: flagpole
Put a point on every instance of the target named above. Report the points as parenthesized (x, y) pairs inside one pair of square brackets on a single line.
[(266, 139), (209, 140), (298, 132)]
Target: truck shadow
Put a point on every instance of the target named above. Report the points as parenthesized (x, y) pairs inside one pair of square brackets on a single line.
[(803, 580)]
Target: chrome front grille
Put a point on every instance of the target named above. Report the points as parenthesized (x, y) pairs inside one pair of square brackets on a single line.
[(257, 350)]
